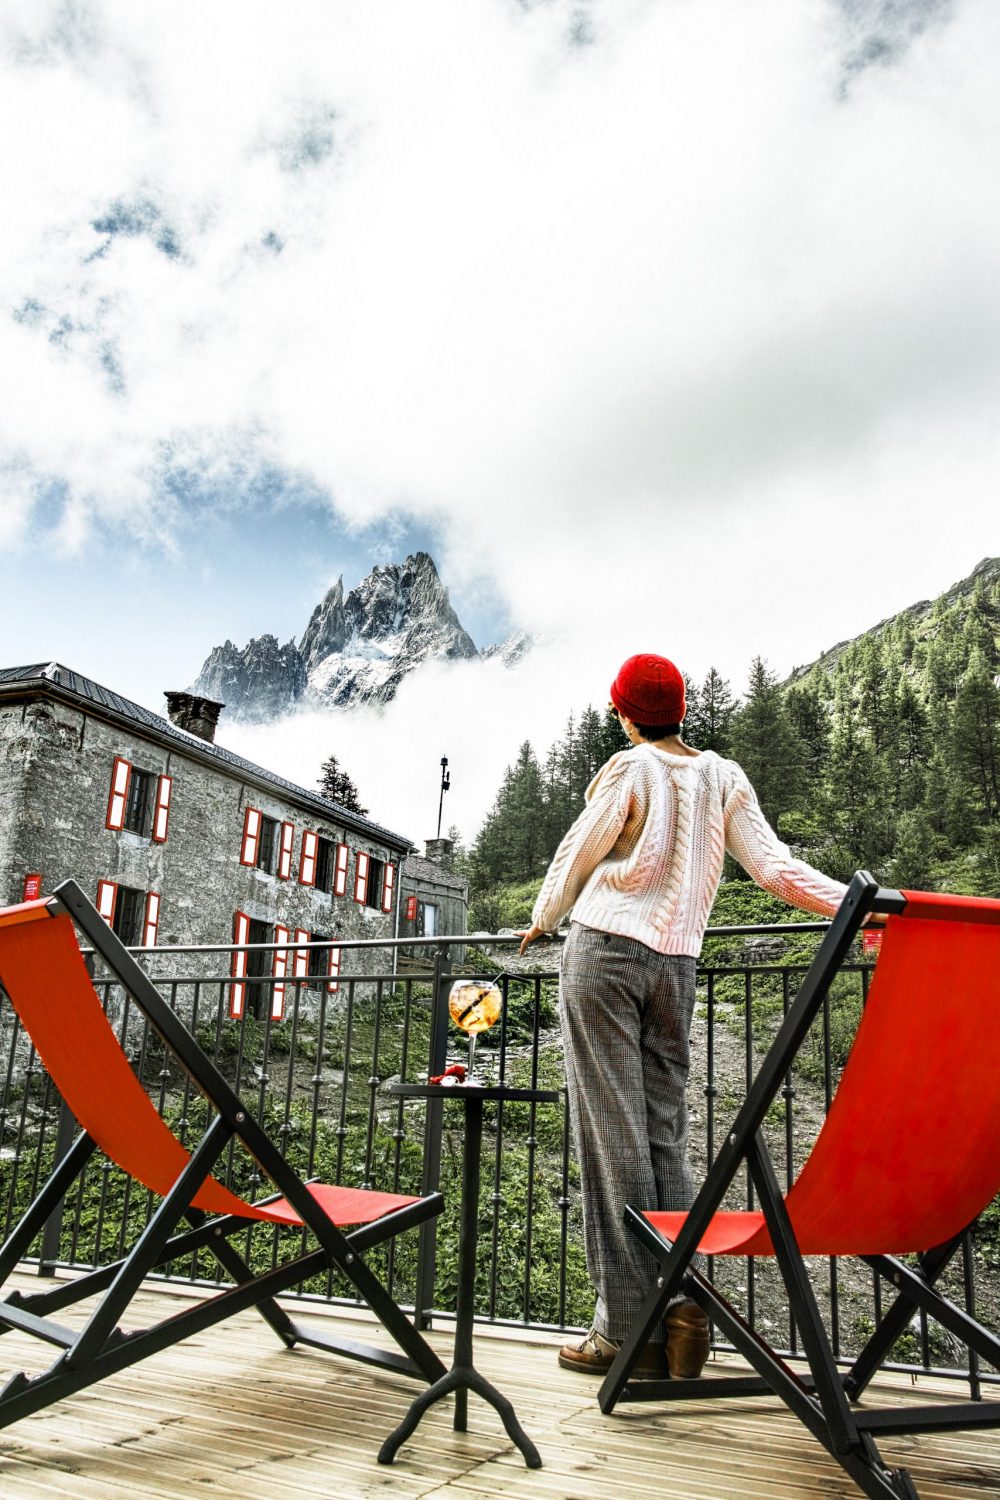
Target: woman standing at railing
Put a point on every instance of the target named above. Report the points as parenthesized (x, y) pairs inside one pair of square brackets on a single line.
[(640, 868)]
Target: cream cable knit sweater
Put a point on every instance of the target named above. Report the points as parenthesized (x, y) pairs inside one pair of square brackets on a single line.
[(644, 858)]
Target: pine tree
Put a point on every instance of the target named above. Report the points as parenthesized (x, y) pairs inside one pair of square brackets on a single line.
[(908, 754), (766, 745), (805, 703), (613, 736), (856, 808), (338, 786), (916, 853), (876, 700), (510, 847), (590, 751), (976, 731), (694, 724), (710, 726)]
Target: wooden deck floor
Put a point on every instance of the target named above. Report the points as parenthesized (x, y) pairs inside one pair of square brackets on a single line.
[(235, 1414)]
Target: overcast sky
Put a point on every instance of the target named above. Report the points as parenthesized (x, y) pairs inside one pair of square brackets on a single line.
[(663, 326)]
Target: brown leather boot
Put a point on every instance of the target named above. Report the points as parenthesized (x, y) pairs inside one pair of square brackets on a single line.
[(688, 1341), (596, 1354)]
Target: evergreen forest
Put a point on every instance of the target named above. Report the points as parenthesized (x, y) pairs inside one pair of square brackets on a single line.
[(885, 754)]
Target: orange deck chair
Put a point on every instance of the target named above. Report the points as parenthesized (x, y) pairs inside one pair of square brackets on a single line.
[(43, 973), (907, 1158)]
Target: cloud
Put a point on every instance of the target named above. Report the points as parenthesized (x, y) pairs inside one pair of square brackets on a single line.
[(679, 323)]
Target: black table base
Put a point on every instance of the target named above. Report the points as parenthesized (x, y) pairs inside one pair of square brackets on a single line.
[(459, 1379), (463, 1376)]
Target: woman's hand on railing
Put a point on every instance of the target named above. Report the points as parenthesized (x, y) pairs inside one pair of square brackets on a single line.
[(532, 935)]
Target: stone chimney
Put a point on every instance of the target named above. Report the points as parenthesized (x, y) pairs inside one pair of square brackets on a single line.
[(440, 851), (197, 715)]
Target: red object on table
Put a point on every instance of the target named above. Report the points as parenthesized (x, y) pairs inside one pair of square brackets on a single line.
[(456, 1071)]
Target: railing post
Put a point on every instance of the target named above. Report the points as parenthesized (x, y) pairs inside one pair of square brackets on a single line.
[(437, 1061), (66, 1130)]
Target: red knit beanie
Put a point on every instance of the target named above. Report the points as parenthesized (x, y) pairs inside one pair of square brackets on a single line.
[(649, 690)]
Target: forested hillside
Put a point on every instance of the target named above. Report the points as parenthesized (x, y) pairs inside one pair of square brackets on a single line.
[(885, 754)]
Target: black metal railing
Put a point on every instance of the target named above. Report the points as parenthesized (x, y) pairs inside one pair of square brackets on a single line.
[(314, 1073)]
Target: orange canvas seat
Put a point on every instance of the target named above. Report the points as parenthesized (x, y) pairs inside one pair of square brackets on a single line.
[(907, 1158), (43, 973)]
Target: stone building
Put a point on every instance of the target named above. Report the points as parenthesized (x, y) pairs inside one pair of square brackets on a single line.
[(433, 899), (180, 841)]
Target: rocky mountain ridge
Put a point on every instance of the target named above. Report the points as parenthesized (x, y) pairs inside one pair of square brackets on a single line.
[(356, 648)]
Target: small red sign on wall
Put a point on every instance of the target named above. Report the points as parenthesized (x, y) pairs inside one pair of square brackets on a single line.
[(411, 908), (871, 942), (32, 888)]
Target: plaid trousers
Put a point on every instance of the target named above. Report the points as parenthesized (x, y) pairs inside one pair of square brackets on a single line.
[(626, 1014)]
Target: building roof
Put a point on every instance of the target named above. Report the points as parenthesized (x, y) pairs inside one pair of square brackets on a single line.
[(418, 868), (62, 682)]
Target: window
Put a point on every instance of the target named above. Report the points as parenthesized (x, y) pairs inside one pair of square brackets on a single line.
[(139, 802), (324, 864), (324, 963), (267, 846), (373, 894), (319, 958), (129, 916), (133, 915), (250, 971), (427, 915), (259, 967)]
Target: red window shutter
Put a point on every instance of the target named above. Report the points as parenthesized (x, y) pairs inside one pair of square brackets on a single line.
[(107, 895), (388, 881), (411, 908), (301, 969), (161, 816), (360, 876), (121, 775), (333, 969), (340, 871), (285, 856), (280, 970), (251, 836), (307, 863), (151, 926), (237, 992)]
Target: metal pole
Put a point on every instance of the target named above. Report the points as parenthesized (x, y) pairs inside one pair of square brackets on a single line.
[(437, 1061), (445, 784)]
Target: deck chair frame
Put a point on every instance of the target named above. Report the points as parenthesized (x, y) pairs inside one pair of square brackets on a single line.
[(177, 1229), (823, 1398)]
